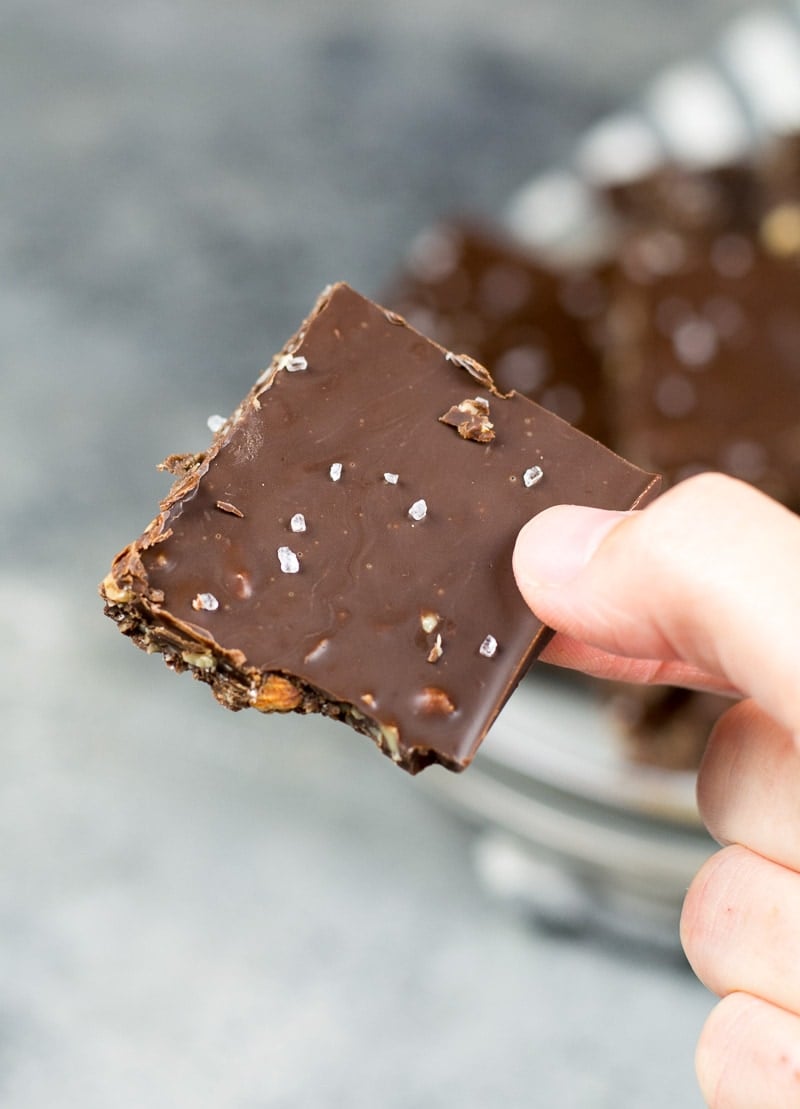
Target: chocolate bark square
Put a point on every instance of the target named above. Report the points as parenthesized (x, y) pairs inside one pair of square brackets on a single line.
[(342, 549)]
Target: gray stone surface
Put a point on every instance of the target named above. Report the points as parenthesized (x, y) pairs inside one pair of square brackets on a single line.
[(206, 910)]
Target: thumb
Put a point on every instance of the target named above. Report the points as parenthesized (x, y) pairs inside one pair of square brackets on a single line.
[(707, 575)]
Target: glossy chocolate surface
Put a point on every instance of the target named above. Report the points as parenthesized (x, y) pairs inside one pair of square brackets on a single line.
[(340, 549)]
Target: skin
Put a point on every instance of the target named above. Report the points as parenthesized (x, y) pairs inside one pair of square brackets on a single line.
[(702, 588)]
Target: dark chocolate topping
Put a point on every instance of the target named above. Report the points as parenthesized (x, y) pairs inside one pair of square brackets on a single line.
[(340, 536)]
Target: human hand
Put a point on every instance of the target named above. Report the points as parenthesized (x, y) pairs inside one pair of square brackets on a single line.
[(702, 588)]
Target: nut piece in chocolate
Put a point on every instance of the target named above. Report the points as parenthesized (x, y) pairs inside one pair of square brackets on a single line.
[(471, 420), (377, 611)]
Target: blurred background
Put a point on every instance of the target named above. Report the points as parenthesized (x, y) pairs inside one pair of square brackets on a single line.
[(214, 910)]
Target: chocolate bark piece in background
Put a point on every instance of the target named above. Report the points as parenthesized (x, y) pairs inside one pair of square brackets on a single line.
[(703, 345), (663, 726), (690, 201), (780, 167), (536, 327), (340, 550), (703, 365)]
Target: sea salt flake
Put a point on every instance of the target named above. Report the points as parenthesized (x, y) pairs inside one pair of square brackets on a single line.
[(335, 471), (216, 423), (292, 363), (289, 562), (391, 479), (532, 476), (298, 522), (418, 510), (489, 647), (205, 602)]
